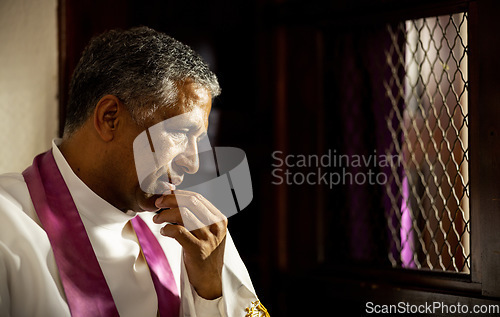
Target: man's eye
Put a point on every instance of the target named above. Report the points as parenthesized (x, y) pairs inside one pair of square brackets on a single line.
[(177, 135)]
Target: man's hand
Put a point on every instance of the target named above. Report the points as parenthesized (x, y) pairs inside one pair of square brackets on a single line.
[(201, 230)]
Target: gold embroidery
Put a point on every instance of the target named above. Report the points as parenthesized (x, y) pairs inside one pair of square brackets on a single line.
[(256, 310)]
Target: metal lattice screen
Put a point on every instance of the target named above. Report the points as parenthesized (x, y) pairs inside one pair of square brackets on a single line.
[(428, 91)]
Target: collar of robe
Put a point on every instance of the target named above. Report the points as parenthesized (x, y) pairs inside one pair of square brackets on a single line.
[(86, 290)]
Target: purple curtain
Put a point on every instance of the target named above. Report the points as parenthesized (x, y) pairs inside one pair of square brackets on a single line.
[(365, 108)]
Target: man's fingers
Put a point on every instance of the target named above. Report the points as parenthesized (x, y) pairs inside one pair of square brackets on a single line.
[(193, 211), (206, 212), (191, 244), (185, 238), (182, 216), (166, 201), (172, 215), (193, 219)]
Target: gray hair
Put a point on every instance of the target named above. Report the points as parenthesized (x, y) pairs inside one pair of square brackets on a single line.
[(141, 67)]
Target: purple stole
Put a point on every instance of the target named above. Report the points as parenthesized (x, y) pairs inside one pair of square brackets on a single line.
[(84, 284)]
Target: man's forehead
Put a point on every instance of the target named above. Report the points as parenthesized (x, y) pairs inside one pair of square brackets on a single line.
[(193, 115), (193, 99)]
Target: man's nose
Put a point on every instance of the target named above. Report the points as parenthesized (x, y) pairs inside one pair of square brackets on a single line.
[(189, 160)]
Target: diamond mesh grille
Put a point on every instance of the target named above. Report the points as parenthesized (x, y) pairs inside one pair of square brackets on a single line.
[(429, 220)]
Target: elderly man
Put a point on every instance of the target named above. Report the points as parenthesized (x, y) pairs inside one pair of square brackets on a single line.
[(76, 237)]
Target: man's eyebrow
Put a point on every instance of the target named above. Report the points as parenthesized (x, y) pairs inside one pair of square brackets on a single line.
[(180, 125), (191, 126), (195, 127), (188, 126)]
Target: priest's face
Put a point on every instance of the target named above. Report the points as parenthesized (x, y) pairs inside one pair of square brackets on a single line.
[(171, 143)]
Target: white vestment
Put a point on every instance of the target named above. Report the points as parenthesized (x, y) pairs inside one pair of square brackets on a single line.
[(29, 279)]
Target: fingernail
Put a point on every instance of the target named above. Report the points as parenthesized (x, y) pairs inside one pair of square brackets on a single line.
[(155, 218)]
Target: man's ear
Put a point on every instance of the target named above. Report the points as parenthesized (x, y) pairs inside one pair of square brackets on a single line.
[(107, 115)]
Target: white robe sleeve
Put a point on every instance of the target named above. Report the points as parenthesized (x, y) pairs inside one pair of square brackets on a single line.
[(4, 285), (237, 289), (29, 282)]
